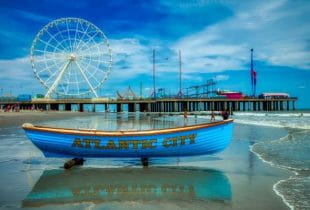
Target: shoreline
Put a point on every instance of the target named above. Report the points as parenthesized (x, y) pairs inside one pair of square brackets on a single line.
[(274, 187), (294, 171)]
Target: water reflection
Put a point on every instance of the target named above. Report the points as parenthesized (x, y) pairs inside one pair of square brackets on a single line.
[(125, 121), (128, 184)]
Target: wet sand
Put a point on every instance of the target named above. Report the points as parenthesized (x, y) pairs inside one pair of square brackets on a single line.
[(233, 179)]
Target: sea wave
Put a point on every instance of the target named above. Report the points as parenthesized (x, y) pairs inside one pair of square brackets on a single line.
[(270, 114), (274, 123), (291, 153), (294, 192), (279, 120)]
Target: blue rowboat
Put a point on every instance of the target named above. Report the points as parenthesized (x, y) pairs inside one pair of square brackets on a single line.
[(121, 185), (191, 140)]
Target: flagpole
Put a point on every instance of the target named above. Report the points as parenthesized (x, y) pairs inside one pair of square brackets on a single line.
[(154, 88), (180, 94), (252, 78)]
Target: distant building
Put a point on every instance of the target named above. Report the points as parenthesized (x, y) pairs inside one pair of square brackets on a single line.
[(231, 94), (273, 95)]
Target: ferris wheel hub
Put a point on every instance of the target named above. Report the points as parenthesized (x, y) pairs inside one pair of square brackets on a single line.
[(72, 57)]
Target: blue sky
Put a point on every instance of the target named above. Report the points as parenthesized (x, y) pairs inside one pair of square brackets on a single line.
[(215, 37)]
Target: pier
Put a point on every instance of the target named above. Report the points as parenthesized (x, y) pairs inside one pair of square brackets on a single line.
[(152, 105)]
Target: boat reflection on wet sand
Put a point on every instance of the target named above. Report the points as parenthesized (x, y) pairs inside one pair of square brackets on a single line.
[(128, 184)]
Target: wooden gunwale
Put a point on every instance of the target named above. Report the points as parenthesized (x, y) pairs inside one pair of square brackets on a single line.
[(89, 132)]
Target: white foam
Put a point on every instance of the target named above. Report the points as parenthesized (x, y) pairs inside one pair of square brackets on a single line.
[(275, 185), (249, 114), (275, 123), (284, 114), (279, 120), (291, 169), (274, 188)]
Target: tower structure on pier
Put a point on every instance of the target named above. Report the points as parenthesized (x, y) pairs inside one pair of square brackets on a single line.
[(253, 76), (180, 93), (153, 95)]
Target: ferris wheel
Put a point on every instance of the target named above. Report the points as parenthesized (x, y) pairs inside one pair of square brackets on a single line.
[(71, 57)]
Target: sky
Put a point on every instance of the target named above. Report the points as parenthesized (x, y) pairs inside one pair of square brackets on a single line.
[(214, 36)]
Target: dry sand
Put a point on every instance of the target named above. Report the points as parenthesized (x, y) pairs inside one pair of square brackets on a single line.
[(12, 119)]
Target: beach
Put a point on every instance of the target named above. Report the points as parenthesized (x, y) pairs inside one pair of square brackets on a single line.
[(16, 119), (244, 176)]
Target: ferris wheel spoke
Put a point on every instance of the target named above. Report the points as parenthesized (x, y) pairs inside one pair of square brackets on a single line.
[(67, 78), (90, 53), (96, 60), (48, 68), (60, 31), (50, 56), (86, 79), (81, 39), (85, 64), (90, 39), (92, 75), (92, 66), (45, 52), (70, 76), (96, 68), (76, 31), (68, 31), (94, 46), (47, 43), (49, 59), (85, 46), (58, 43), (77, 37), (99, 61), (57, 80), (86, 70), (51, 76), (77, 84), (98, 54)]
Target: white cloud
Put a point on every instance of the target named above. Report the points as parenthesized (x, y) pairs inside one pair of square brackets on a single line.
[(221, 77), (16, 69), (16, 76), (33, 16), (130, 58), (275, 29)]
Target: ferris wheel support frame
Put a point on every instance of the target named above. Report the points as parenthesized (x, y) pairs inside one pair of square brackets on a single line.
[(83, 74), (55, 84), (59, 78)]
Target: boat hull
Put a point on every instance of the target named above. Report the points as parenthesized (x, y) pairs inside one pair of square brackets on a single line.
[(186, 141)]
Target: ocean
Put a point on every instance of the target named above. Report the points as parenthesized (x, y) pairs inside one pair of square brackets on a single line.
[(291, 152), (267, 166)]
